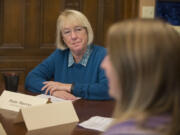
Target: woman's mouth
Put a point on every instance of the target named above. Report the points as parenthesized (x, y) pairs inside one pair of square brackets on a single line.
[(76, 43)]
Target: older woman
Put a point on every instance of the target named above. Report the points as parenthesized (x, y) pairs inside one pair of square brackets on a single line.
[(143, 69), (74, 66)]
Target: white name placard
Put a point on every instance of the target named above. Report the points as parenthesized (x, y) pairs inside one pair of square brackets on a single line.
[(14, 101), (61, 114), (38, 116)]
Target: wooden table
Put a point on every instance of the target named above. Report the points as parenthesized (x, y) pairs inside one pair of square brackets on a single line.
[(84, 108)]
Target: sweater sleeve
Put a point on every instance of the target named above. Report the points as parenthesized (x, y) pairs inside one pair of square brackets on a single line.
[(43, 72), (95, 91)]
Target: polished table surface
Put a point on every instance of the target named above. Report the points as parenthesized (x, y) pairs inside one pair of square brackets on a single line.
[(84, 108)]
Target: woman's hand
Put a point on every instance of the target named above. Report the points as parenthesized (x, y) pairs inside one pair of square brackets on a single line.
[(64, 95), (51, 86)]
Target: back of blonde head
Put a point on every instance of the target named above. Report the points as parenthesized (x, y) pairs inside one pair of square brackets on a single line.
[(145, 54)]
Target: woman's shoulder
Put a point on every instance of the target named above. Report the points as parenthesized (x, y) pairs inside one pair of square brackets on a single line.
[(127, 128), (99, 50), (131, 127), (59, 53)]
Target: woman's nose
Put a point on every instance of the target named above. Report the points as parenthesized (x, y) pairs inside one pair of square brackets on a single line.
[(73, 35)]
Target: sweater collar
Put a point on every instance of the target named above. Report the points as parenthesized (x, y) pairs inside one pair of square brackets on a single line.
[(84, 59)]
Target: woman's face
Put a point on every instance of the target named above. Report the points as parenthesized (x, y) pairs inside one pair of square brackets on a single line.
[(75, 37), (114, 89)]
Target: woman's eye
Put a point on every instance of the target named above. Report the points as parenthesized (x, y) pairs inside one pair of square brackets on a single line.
[(66, 32), (78, 29)]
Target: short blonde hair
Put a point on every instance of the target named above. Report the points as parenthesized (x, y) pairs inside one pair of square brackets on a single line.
[(74, 17)]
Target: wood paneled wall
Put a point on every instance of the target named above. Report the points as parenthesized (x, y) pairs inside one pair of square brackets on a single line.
[(27, 28)]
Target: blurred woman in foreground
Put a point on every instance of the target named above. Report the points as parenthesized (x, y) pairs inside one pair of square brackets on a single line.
[(143, 69)]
